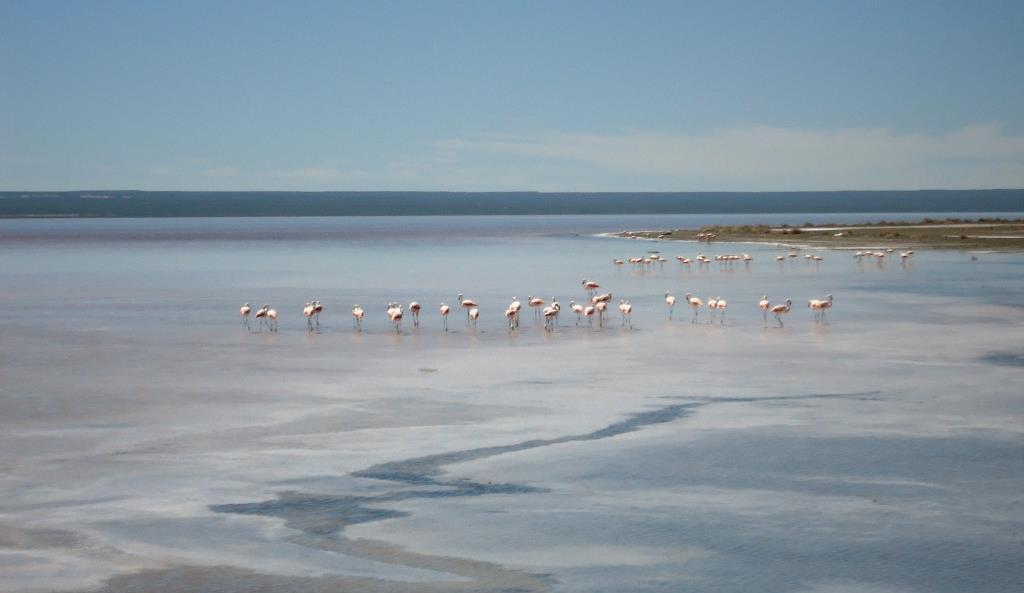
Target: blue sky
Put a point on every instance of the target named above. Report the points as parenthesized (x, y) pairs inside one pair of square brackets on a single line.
[(558, 96)]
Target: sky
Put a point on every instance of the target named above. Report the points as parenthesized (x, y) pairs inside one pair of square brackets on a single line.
[(501, 96)]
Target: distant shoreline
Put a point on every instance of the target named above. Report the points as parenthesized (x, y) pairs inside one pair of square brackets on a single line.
[(149, 204), (978, 234)]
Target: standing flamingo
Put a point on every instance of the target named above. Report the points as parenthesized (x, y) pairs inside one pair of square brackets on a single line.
[(722, 304), (245, 310), (695, 303), (467, 304), (671, 302), (536, 303), (588, 311), (590, 285), (712, 307), (272, 319), (780, 310), (357, 317), (474, 314), (557, 307), (444, 315), (818, 306), (318, 308), (261, 317), (765, 304), (395, 316), (577, 309), (515, 306), (550, 314), (307, 311), (627, 313), (415, 308), (510, 314), (601, 307)]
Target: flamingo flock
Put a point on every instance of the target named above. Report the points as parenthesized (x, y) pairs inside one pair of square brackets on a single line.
[(545, 312)]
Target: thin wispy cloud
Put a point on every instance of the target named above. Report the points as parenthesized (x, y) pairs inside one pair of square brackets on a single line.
[(767, 158)]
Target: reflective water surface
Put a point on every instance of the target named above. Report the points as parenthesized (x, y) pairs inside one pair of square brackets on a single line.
[(148, 441)]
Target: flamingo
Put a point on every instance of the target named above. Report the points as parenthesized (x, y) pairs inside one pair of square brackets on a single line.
[(557, 307), (272, 319), (474, 314), (617, 261), (695, 303), (510, 314), (588, 311), (516, 306), (536, 303), (308, 312), (780, 310), (415, 308), (590, 285), (318, 308), (261, 317), (601, 307), (627, 313), (820, 306), (550, 315), (601, 298), (722, 304), (764, 305), (357, 317), (712, 307), (445, 309), (466, 304), (395, 316), (577, 309), (671, 302), (244, 310)]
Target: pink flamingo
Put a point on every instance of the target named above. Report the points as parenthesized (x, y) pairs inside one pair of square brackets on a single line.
[(474, 314), (764, 305), (601, 307), (712, 307), (550, 315), (318, 308), (722, 304), (780, 310), (466, 304), (510, 314), (536, 303), (590, 285), (588, 312), (671, 302), (307, 311), (415, 308), (272, 319), (516, 306), (577, 309), (245, 310), (626, 310), (395, 316), (695, 303), (445, 309), (357, 317), (261, 317)]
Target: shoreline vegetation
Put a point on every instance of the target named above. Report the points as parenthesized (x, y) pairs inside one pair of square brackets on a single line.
[(990, 234)]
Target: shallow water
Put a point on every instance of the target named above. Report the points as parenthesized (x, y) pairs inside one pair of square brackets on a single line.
[(147, 440)]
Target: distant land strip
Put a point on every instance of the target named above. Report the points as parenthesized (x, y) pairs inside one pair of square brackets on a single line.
[(146, 204)]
